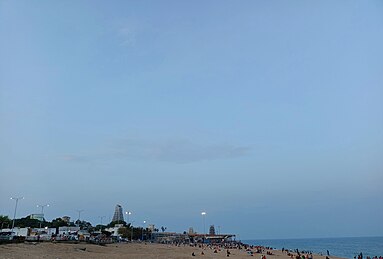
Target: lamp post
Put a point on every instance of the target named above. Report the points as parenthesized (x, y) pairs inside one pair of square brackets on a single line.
[(79, 215), (131, 233), (128, 213), (142, 233), (14, 214), (42, 211), (101, 217), (203, 213)]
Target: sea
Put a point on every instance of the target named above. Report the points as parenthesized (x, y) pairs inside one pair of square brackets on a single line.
[(346, 247)]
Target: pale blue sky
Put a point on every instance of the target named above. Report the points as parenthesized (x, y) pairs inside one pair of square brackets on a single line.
[(268, 115)]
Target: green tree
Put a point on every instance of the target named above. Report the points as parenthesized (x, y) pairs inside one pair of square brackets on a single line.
[(58, 222), (100, 227), (124, 232), (28, 222), (5, 221), (84, 225), (113, 223)]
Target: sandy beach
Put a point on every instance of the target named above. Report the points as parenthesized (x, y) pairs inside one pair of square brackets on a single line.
[(123, 250)]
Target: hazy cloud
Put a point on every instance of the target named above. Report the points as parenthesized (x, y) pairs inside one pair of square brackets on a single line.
[(127, 36), (75, 158), (178, 151)]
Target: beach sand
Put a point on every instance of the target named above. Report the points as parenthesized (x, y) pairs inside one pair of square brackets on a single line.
[(123, 250)]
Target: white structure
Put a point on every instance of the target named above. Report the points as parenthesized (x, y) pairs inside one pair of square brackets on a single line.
[(17, 231), (114, 230), (39, 216), (68, 230), (48, 231)]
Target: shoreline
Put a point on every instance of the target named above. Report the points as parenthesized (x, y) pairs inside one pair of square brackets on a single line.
[(140, 250)]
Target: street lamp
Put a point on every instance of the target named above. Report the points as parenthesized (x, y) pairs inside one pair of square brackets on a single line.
[(14, 214), (101, 217), (131, 233), (42, 207), (79, 215), (42, 211), (128, 213), (142, 233), (203, 213)]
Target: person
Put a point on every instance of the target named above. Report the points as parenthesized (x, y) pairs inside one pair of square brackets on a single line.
[(328, 253)]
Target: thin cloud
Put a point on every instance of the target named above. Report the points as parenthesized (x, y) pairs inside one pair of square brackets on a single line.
[(178, 151), (127, 36), (174, 151), (75, 158)]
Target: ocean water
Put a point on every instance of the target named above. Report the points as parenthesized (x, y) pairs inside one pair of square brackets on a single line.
[(341, 247)]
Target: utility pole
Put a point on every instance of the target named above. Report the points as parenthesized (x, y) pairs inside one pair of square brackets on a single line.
[(79, 216), (14, 214)]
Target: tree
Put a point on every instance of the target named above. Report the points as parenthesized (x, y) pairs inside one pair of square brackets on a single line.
[(5, 221), (100, 227), (28, 222), (124, 232), (113, 223), (84, 225), (58, 222)]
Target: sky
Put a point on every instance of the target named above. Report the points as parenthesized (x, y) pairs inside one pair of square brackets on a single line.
[(267, 115)]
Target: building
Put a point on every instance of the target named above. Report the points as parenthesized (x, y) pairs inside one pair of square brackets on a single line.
[(212, 230), (151, 227), (23, 232), (114, 230), (68, 230), (118, 216), (191, 231), (39, 217)]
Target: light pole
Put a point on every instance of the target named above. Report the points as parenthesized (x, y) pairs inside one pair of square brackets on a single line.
[(142, 233), (128, 213), (101, 217), (203, 213), (131, 233), (79, 215), (42, 211), (14, 214)]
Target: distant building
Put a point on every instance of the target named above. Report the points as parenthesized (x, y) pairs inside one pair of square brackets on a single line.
[(17, 231), (151, 227), (212, 230), (118, 216), (68, 230), (114, 230), (39, 217)]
